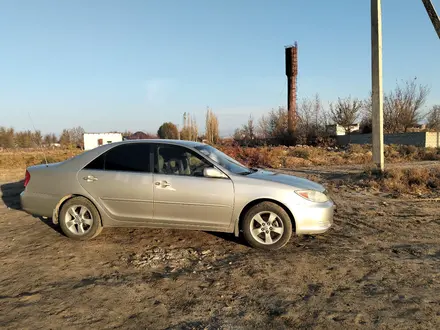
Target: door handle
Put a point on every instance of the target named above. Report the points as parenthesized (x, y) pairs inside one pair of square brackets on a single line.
[(90, 178), (162, 183)]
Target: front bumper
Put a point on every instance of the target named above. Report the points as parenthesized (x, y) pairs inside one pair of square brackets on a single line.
[(314, 219)]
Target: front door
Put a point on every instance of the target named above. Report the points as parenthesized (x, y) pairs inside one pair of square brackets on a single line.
[(121, 182), (183, 197)]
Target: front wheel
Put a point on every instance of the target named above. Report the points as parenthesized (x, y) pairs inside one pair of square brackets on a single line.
[(267, 226), (79, 219)]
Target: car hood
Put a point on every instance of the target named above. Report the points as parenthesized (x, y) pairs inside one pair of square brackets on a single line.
[(290, 180)]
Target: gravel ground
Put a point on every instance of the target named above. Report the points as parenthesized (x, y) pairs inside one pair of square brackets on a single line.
[(378, 267)]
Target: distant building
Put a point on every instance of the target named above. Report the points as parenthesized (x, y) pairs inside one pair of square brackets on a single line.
[(335, 130), (138, 136), (93, 140)]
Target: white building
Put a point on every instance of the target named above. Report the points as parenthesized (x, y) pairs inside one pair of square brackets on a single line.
[(335, 130), (93, 140)]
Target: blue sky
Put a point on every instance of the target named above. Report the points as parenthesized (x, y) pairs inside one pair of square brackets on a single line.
[(116, 65)]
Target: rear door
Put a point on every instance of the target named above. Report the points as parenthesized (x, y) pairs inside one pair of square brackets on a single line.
[(183, 197), (121, 181)]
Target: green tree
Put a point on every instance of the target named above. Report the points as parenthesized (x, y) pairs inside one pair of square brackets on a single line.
[(168, 131)]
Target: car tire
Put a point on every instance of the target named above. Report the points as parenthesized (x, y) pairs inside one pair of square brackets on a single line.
[(79, 219), (273, 232)]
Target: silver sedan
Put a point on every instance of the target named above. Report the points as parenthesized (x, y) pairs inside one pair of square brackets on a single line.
[(174, 184)]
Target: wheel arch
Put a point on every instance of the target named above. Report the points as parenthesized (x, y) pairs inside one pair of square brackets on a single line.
[(63, 201), (258, 201)]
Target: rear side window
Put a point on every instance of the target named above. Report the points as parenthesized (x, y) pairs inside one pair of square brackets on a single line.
[(97, 163), (126, 158)]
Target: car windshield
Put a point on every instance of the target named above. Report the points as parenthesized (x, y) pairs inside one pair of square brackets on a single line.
[(223, 160)]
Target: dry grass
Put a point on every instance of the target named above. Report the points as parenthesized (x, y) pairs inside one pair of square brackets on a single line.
[(13, 162)]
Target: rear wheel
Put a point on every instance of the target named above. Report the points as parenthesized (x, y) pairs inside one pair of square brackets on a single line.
[(267, 226), (79, 219)]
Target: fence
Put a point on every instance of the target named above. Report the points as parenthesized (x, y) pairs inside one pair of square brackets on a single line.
[(419, 139)]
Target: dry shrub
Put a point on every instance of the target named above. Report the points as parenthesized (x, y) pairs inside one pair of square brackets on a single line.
[(408, 180), (292, 162), (359, 148), (300, 153), (280, 156), (391, 153), (429, 154)]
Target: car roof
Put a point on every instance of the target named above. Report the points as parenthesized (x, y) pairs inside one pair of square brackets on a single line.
[(163, 141), (87, 156)]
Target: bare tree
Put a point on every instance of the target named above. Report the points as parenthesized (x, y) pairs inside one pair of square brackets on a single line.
[(273, 126), (345, 112), (403, 106), (211, 127), (189, 130), (312, 120), (53, 138), (37, 139), (76, 136), (7, 137), (46, 140), (433, 118), (246, 134), (306, 118), (65, 140)]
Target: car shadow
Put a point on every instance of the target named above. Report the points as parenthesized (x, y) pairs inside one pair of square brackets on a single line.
[(228, 237), (10, 195), (48, 222)]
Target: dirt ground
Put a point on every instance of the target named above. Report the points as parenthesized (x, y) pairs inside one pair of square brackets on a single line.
[(378, 267)]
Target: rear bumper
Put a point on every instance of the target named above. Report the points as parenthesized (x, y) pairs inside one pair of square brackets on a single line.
[(314, 219), (38, 204)]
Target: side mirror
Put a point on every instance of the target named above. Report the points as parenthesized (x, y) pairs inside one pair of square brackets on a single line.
[(212, 172)]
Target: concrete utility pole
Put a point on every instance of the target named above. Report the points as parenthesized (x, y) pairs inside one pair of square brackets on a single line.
[(291, 73), (432, 15), (376, 73)]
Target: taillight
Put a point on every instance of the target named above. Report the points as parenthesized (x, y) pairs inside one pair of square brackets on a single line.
[(27, 178)]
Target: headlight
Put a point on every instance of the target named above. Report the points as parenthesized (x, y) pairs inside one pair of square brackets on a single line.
[(312, 195)]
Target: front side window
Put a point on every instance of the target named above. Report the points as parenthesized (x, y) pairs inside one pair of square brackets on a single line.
[(176, 160), (223, 160), (133, 157)]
